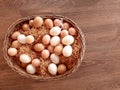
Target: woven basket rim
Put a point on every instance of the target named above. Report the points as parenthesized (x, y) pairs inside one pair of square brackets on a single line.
[(23, 73)]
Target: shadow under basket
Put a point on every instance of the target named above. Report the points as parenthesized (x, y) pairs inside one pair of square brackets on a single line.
[(22, 72)]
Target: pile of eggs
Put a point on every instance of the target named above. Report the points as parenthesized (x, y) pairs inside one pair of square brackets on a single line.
[(59, 42)]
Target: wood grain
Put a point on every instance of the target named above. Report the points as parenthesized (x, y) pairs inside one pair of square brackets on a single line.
[(100, 22)]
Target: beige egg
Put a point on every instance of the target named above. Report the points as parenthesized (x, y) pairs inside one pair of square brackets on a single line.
[(52, 68), (49, 23), (57, 22), (25, 27), (72, 31), (68, 40), (66, 25), (15, 44), (61, 69), (58, 49), (45, 54), (31, 22), (29, 39), (46, 39), (30, 69), (38, 22), (39, 47), (55, 41), (36, 62), (54, 58), (67, 51), (50, 48), (64, 33), (15, 35), (12, 51)]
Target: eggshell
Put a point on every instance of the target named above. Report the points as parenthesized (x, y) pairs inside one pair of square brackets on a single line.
[(15, 44), (39, 47), (67, 51), (50, 48), (48, 23), (67, 40), (55, 31), (30, 39), (64, 33), (52, 68), (58, 49), (38, 21), (45, 54), (15, 35), (36, 62), (31, 22), (24, 58), (66, 25), (61, 69), (57, 22), (46, 39), (12, 51), (21, 38), (55, 40), (25, 27), (54, 58), (72, 31), (30, 69)]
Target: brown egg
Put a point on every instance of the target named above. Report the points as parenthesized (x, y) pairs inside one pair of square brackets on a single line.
[(29, 39), (39, 47), (24, 65), (58, 49), (15, 44), (45, 54), (50, 48), (57, 22), (25, 27), (72, 31), (12, 51), (49, 23), (38, 21), (15, 35), (61, 68), (64, 33), (36, 62), (65, 25), (46, 39), (31, 22)]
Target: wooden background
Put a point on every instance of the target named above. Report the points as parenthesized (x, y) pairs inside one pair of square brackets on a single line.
[(100, 22)]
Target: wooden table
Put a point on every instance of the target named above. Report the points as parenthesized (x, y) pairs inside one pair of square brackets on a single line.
[(100, 22)]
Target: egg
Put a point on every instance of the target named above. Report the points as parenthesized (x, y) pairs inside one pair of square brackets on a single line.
[(36, 62), (55, 31), (12, 51), (15, 35), (30, 69), (72, 31), (15, 44), (66, 25), (48, 23), (46, 39), (54, 58), (45, 54), (39, 47), (30, 39), (58, 49), (57, 22), (31, 22), (24, 58), (61, 69), (64, 33), (25, 27), (55, 41), (52, 68), (67, 51), (38, 22), (67, 40), (24, 65), (50, 48), (21, 38)]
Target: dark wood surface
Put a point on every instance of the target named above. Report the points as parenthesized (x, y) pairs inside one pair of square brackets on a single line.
[(100, 22)]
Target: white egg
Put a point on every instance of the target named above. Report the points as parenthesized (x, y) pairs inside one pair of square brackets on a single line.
[(54, 58), (30, 69), (24, 58), (55, 31), (52, 68), (22, 38), (67, 40), (55, 40), (67, 51)]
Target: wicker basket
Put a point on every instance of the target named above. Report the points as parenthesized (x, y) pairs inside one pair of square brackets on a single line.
[(22, 72)]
